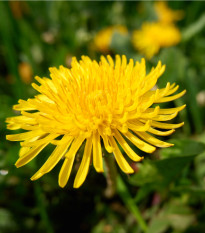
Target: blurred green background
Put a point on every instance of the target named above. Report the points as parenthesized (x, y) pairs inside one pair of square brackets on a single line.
[(168, 188)]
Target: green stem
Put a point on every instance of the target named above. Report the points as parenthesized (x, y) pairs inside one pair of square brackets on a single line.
[(130, 203), (115, 183), (111, 175)]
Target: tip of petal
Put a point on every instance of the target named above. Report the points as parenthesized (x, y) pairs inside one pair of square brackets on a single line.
[(36, 176), (169, 145), (181, 124), (51, 69), (15, 107), (109, 149), (141, 158), (18, 164), (77, 185), (99, 169), (61, 184), (152, 150), (131, 171), (183, 92), (182, 107)]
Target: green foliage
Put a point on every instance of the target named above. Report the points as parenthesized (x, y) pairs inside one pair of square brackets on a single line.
[(166, 193), (161, 173)]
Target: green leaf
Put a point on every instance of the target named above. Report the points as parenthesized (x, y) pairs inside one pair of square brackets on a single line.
[(174, 214), (162, 172), (159, 225), (183, 147)]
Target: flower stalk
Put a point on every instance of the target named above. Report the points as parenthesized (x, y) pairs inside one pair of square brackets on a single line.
[(111, 174), (130, 203)]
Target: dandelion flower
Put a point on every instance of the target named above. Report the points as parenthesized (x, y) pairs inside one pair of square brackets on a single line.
[(94, 105), (167, 15), (154, 36), (103, 38)]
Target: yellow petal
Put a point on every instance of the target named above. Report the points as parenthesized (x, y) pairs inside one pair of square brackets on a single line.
[(139, 143), (154, 141), (171, 110), (29, 127), (23, 151), (126, 147), (75, 145), (20, 120), (24, 105), (14, 126), (160, 133), (54, 158), (165, 117), (25, 136), (97, 153), (170, 98), (31, 154), (66, 170), (166, 125), (39, 142), (84, 166), (150, 114), (123, 164), (172, 90), (106, 144), (138, 126), (36, 87), (110, 61), (69, 159)]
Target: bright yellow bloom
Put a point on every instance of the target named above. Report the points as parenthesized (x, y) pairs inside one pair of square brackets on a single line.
[(167, 15), (103, 38), (154, 36), (93, 104)]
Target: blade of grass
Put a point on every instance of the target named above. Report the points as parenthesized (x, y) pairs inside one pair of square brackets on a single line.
[(130, 203), (193, 29)]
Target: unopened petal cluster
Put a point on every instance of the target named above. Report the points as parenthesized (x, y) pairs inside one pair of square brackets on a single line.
[(153, 36), (90, 106)]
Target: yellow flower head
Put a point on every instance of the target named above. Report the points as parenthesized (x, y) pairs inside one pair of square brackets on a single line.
[(91, 105), (154, 36), (103, 38), (167, 15)]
